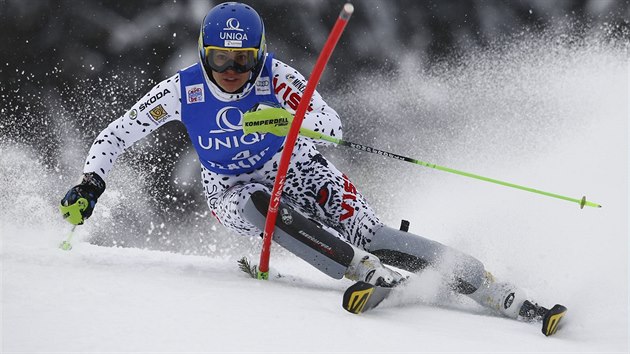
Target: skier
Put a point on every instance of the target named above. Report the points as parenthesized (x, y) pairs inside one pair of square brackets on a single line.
[(337, 230)]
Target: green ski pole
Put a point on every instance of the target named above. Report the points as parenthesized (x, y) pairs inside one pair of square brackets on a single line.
[(66, 244), (277, 121), (73, 214), (319, 136)]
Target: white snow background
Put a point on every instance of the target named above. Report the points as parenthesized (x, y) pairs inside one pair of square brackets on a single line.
[(541, 115)]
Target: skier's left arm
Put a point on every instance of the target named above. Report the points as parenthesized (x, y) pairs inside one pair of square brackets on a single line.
[(289, 86)]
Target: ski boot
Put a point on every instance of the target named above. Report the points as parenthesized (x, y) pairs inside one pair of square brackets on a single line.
[(374, 283), (550, 318), (369, 269)]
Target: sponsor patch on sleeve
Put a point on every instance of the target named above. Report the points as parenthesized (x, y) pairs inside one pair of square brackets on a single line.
[(297, 83), (158, 113), (194, 94)]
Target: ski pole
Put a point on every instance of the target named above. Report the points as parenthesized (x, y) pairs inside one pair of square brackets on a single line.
[(65, 244), (274, 203), (319, 136), (73, 214)]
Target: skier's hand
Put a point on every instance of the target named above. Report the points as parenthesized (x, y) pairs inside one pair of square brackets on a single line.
[(264, 118), (78, 204)]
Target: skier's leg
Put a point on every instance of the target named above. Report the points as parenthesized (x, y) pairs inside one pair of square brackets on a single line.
[(326, 195), (413, 253), (505, 298), (320, 247), (468, 275), (511, 301), (243, 207), (215, 187), (313, 185)]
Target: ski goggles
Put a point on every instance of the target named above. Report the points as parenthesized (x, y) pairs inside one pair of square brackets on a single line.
[(240, 60)]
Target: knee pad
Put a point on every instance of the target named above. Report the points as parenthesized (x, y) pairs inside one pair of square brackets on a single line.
[(301, 236)]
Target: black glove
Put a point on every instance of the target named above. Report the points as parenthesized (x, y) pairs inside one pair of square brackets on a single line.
[(79, 202)]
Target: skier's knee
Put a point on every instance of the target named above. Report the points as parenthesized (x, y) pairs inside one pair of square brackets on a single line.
[(468, 273), (234, 199), (251, 203), (242, 191), (413, 253), (232, 211)]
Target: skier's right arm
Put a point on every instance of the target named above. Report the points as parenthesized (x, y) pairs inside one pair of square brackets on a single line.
[(158, 107)]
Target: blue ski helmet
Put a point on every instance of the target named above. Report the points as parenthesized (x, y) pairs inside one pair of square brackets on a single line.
[(233, 26)]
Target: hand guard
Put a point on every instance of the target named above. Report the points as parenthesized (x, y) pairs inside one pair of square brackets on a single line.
[(263, 118), (78, 204)]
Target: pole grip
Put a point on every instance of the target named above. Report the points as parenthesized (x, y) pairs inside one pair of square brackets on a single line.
[(285, 158)]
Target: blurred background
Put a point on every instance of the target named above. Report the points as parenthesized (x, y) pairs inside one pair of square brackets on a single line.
[(408, 76)]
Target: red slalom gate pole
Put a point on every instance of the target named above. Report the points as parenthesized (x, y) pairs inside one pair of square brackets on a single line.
[(285, 158)]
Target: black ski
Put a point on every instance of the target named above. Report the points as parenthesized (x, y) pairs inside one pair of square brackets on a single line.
[(362, 297)]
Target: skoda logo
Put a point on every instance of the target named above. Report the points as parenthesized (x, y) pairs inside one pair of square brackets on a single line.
[(232, 24), (228, 119)]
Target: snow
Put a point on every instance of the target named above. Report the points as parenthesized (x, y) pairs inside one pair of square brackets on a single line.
[(98, 299), (113, 299)]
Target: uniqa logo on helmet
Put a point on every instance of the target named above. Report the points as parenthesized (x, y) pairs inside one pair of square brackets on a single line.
[(235, 36), (232, 24), (228, 23)]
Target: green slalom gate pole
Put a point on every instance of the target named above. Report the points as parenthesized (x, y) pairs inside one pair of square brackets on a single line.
[(319, 136)]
